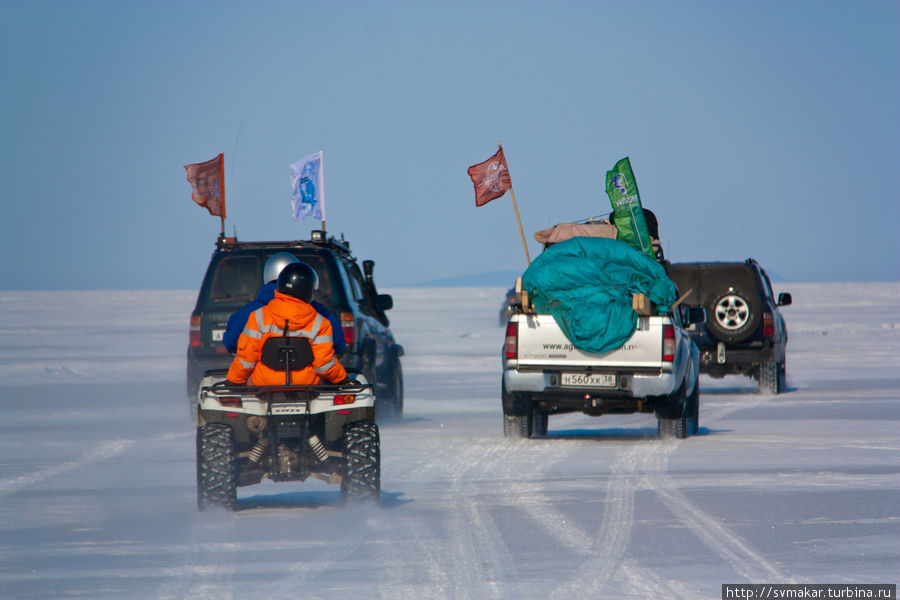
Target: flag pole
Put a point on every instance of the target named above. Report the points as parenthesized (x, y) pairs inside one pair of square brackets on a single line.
[(512, 195), (222, 183), (322, 186)]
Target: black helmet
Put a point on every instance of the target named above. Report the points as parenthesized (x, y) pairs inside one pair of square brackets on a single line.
[(298, 280)]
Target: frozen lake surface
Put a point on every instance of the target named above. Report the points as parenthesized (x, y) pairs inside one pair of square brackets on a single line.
[(97, 496)]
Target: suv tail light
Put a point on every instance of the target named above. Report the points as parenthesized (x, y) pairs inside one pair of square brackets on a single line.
[(511, 345), (194, 338), (349, 327), (768, 325), (668, 348)]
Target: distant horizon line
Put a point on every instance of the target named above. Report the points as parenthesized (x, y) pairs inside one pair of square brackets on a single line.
[(423, 285)]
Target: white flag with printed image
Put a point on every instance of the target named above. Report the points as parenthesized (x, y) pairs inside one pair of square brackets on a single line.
[(308, 187)]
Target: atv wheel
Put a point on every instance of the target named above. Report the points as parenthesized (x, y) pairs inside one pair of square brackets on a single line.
[(735, 315), (216, 471), (770, 377), (361, 476)]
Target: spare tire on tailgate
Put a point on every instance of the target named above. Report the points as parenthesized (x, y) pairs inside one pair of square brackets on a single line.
[(733, 314)]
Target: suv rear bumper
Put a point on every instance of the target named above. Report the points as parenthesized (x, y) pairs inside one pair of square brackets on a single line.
[(716, 361)]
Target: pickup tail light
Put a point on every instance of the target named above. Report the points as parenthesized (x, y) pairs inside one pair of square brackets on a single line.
[(768, 325), (194, 338), (668, 348), (347, 324), (511, 345)]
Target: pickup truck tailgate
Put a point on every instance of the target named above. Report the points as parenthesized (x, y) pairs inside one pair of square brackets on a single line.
[(541, 343)]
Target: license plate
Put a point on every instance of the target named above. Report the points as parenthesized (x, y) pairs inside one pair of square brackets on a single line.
[(218, 334), (287, 409), (582, 380)]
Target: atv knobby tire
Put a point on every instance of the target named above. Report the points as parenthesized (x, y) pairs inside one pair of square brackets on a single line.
[(361, 476), (733, 315), (216, 468)]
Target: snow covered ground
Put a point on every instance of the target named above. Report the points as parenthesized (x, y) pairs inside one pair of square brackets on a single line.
[(97, 496)]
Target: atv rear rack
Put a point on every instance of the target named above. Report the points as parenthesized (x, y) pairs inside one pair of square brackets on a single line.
[(285, 399)]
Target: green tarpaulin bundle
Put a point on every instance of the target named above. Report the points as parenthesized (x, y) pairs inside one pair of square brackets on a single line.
[(587, 285)]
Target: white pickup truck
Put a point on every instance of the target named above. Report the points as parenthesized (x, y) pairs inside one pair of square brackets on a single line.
[(655, 371)]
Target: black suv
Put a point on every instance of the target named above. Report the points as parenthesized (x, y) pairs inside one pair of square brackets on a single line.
[(745, 332), (234, 276)]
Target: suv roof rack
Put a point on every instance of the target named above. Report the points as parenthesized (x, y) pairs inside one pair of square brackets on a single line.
[(318, 238)]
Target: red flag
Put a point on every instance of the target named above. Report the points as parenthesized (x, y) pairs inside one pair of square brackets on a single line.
[(208, 182), (491, 178)]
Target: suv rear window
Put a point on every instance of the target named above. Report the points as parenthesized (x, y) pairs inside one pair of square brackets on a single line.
[(706, 279), (236, 278)]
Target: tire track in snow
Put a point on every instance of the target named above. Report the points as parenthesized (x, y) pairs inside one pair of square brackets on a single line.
[(746, 562), (98, 454), (641, 466), (227, 576), (477, 530), (645, 467), (606, 550), (530, 496), (416, 554), (103, 452), (724, 543), (465, 540), (401, 557), (201, 581)]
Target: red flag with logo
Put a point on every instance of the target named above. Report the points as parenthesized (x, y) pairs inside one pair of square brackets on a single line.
[(491, 178), (208, 182)]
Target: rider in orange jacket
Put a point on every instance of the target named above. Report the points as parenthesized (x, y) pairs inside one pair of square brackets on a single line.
[(288, 313)]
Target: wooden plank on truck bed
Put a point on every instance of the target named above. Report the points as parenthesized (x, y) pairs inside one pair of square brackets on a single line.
[(641, 304)]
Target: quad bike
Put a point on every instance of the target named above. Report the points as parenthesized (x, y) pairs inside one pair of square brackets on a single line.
[(286, 432)]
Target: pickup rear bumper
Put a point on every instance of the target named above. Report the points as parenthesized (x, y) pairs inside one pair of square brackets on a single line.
[(628, 383)]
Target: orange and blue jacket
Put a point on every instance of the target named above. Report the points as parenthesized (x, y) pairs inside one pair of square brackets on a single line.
[(269, 321)]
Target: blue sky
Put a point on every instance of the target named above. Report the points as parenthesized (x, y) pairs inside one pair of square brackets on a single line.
[(764, 129)]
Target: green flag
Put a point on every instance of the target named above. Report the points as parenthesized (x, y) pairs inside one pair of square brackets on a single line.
[(628, 214)]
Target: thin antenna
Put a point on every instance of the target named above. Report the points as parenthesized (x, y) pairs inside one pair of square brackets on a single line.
[(233, 161)]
